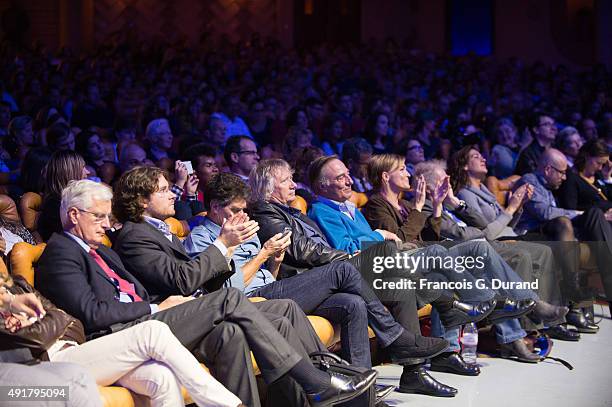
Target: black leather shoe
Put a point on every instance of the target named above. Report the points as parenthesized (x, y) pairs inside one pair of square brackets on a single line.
[(382, 391), (343, 388), (452, 362), (424, 347), (548, 312), (517, 350), (511, 309), (562, 333), (576, 317), (462, 313), (418, 381)]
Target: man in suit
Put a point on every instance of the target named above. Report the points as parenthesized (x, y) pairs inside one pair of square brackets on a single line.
[(159, 261), (90, 282)]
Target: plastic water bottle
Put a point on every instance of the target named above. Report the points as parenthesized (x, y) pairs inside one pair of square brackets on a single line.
[(469, 342)]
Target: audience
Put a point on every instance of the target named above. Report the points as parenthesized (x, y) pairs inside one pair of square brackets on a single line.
[(299, 106)]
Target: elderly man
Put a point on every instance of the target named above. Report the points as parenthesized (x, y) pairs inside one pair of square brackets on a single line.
[(531, 260), (272, 191), (340, 295), (160, 139), (241, 156), (542, 215), (79, 274)]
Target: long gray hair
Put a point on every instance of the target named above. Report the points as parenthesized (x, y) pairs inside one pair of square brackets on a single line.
[(263, 177)]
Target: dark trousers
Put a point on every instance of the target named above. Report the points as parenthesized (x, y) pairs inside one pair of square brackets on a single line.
[(593, 227), (221, 329), (337, 292)]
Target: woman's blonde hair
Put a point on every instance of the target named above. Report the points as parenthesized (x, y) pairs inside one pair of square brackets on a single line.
[(382, 163)]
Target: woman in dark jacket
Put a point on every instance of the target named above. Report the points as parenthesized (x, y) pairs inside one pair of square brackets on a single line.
[(587, 184)]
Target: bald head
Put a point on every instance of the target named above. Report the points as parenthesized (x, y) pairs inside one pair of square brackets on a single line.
[(553, 167), (552, 156)]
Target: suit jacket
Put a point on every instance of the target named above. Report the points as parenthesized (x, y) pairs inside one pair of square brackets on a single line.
[(380, 214), (72, 279), (164, 267)]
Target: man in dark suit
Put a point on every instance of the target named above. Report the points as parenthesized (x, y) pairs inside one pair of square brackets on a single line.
[(159, 261), (90, 282)]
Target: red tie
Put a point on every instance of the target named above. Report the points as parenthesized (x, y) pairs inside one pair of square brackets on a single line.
[(123, 285)]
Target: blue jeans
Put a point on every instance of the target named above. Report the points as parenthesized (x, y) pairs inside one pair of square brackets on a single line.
[(337, 292), (505, 332)]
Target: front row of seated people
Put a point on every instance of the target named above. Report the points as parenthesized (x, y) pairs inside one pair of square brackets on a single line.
[(145, 286)]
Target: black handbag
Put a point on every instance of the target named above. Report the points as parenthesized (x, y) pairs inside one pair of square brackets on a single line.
[(329, 362)]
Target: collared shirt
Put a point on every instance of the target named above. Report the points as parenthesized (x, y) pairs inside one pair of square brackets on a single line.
[(348, 208), (122, 296), (159, 225), (205, 232), (542, 206), (163, 227)]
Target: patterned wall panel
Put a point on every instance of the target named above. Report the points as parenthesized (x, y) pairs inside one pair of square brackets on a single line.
[(184, 19)]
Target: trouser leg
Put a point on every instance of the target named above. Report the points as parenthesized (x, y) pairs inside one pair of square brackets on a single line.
[(82, 388)]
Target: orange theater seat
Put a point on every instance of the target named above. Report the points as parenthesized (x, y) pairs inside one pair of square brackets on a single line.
[(299, 203), (29, 209)]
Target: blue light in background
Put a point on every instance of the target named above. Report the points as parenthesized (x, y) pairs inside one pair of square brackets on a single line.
[(471, 27)]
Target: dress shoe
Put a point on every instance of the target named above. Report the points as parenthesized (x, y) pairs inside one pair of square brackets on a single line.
[(511, 309), (452, 362), (589, 313), (517, 350), (548, 312), (418, 381), (576, 317), (343, 388), (382, 391), (462, 313), (424, 347), (562, 333)]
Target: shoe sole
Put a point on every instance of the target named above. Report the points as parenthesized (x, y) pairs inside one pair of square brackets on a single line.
[(412, 391), (471, 319), (352, 396), (383, 394), (510, 316), (417, 360), (586, 330), (443, 369), (518, 359)]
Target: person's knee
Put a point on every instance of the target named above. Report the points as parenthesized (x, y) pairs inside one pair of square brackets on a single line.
[(562, 224), (355, 307)]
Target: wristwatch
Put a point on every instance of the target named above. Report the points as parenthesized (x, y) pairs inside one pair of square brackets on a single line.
[(461, 205)]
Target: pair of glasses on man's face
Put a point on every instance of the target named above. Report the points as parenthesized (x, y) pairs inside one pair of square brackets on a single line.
[(98, 217)]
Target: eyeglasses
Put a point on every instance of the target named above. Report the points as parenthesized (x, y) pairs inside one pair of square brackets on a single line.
[(98, 217), (416, 147), (558, 170)]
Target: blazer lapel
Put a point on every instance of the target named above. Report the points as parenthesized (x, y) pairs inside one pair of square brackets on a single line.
[(122, 272), (163, 241)]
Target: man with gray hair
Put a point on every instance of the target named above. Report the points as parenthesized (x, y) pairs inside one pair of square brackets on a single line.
[(460, 222), (160, 138), (88, 280), (543, 215)]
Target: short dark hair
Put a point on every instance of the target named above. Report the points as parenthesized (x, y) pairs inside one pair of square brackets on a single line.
[(315, 168), (197, 150), (534, 119), (224, 188), (133, 186), (55, 133), (233, 146), (353, 147)]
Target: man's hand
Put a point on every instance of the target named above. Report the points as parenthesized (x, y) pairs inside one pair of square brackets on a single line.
[(237, 230), (608, 215), (173, 300), (440, 191), (388, 235), (420, 193), (180, 174), (191, 186), (274, 245), (517, 199)]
